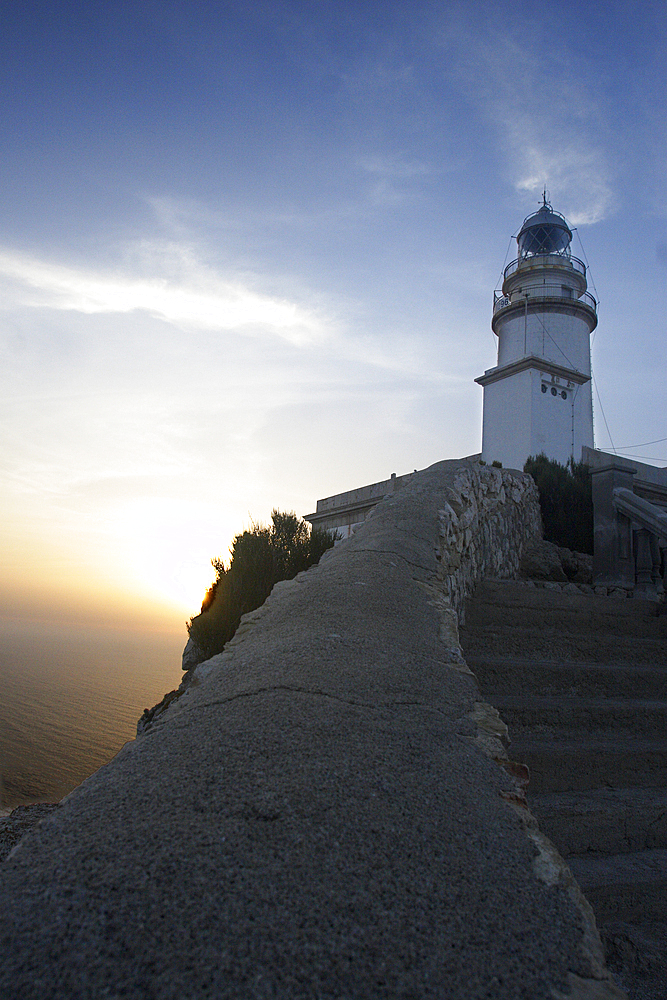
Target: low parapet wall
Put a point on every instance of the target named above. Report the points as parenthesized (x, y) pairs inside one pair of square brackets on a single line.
[(320, 815)]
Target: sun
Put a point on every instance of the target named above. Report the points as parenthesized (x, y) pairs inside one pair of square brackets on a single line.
[(167, 546)]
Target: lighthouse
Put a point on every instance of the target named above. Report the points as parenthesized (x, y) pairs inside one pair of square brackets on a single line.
[(538, 397)]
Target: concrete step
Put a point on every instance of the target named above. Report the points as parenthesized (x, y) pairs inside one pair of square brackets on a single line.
[(603, 820), (508, 618), (548, 642), (569, 762), (624, 886), (496, 602), (517, 675), (629, 716), (581, 682)]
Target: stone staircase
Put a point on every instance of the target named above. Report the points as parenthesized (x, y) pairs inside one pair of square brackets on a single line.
[(581, 682)]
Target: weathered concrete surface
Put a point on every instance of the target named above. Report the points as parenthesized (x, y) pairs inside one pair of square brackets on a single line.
[(14, 827), (314, 819)]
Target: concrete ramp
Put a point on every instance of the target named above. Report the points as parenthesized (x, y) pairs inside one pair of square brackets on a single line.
[(320, 816)]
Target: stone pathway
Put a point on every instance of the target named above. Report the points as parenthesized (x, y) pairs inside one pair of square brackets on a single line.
[(581, 682)]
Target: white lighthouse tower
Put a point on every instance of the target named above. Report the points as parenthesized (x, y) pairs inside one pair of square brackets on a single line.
[(538, 397)]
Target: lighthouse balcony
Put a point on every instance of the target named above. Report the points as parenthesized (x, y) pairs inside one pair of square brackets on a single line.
[(542, 294), (541, 260)]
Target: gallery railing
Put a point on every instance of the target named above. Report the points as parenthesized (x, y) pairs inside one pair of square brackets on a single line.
[(539, 293), (546, 260)]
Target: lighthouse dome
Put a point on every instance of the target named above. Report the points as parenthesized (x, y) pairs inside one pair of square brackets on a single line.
[(544, 232)]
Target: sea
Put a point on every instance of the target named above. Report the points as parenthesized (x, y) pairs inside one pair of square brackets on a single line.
[(70, 698)]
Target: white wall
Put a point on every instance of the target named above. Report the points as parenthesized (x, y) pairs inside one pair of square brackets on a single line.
[(521, 420), (555, 336)]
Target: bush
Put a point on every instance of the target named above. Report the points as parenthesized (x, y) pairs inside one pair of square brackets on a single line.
[(566, 500), (259, 558)]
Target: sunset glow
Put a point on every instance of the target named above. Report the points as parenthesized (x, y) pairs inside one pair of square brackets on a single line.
[(167, 547), (247, 260)]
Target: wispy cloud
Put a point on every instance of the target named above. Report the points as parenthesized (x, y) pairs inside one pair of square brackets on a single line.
[(393, 177), (193, 297), (574, 177), (549, 120)]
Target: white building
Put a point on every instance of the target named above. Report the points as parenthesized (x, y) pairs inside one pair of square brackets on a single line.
[(344, 512), (538, 397)]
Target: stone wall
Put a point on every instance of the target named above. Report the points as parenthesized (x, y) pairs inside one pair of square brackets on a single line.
[(489, 516)]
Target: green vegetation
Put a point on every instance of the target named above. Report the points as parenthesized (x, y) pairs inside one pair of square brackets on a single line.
[(259, 558), (566, 500)]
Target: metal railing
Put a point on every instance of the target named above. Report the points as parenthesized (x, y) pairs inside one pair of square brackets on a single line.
[(540, 292), (546, 260)]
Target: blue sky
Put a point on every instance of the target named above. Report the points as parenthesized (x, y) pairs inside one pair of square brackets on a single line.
[(247, 257)]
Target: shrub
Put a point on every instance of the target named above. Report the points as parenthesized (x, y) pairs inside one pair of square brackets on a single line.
[(566, 500), (259, 558)]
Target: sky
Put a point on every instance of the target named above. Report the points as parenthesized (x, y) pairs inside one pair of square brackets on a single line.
[(248, 255)]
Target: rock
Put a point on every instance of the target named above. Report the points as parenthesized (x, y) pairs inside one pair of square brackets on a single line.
[(577, 566), (192, 655), (150, 714), (585, 574), (14, 827), (541, 560), (568, 561)]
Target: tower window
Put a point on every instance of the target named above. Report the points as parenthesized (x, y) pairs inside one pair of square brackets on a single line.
[(564, 394), (544, 388), (567, 291), (554, 392)]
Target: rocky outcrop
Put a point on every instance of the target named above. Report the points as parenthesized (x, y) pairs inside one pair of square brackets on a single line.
[(192, 655), (542, 560), (151, 714)]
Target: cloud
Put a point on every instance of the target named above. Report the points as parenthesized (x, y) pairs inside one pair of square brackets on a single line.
[(392, 176), (174, 287), (572, 176), (543, 105)]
